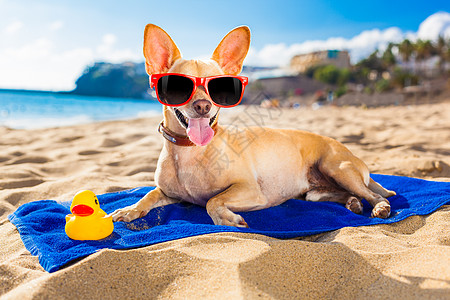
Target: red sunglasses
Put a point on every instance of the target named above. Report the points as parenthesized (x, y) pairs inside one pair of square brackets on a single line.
[(175, 89)]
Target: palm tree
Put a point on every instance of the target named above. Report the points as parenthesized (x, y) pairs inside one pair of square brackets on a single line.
[(424, 50), (442, 51), (388, 57), (406, 49), (440, 44)]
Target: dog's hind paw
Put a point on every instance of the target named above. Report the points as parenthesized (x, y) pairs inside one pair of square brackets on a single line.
[(243, 223), (381, 210), (354, 205)]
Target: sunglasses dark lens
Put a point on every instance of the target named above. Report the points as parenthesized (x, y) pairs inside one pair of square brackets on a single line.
[(174, 89), (225, 91)]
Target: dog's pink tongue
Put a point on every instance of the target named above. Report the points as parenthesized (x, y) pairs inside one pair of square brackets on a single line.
[(199, 131)]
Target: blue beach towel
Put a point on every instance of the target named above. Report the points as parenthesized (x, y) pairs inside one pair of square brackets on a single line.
[(41, 223)]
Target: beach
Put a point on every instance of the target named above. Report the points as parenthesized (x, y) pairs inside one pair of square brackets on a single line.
[(406, 260)]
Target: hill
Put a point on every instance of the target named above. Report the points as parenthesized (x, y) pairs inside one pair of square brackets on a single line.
[(125, 80)]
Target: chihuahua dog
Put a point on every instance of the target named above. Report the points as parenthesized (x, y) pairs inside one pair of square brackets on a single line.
[(265, 166)]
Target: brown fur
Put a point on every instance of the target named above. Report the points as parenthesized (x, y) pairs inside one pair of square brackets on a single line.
[(249, 169)]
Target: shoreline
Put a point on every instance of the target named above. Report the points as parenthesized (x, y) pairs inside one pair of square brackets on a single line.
[(72, 93), (234, 110), (34, 110)]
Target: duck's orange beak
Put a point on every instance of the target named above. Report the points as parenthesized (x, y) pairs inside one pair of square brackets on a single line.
[(82, 210)]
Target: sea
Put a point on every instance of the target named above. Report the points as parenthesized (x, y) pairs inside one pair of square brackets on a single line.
[(34, 110)]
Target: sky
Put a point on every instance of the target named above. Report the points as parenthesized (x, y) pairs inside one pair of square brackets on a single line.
[(46, 44)]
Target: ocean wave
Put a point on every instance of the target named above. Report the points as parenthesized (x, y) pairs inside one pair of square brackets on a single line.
[(47, 122), (149, 114)]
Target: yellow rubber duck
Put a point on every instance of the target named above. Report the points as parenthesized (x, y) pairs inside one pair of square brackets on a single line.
[(87, 220)]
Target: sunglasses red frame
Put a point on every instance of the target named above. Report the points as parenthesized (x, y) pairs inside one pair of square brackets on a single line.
[(198, 81)]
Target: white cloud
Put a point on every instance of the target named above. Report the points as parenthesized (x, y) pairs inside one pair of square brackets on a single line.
[(119, 55), (107, 51), (13, 27), (107, 44), (434, 26), (109, 39), (56, 25), (38, 64), (35, 50), (359, 46)]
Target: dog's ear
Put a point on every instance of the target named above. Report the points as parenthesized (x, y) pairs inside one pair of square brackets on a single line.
[(159, 50), (232, 50)]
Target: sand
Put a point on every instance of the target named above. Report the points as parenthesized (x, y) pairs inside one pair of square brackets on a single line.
[(406, 260)]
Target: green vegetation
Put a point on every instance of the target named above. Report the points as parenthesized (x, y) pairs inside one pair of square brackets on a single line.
[(398, 66), (402, 78), (368, 90), (382, 85), (340, 91), (329, 74), (332, 75)]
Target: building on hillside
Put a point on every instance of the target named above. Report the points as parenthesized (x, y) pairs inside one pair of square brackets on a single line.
[(300, 63), (284, 89)]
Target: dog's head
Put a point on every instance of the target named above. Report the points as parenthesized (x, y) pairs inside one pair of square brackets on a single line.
[(162, 56)]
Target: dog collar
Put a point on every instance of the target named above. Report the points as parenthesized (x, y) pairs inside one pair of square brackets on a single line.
[(177, 139)]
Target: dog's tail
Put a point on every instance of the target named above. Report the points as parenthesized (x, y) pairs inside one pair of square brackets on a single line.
[(379, 189)]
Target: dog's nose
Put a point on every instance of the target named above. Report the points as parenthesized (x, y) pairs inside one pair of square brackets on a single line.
[(202, 107)]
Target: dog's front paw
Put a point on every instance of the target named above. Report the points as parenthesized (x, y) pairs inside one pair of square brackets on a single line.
[(128, 214), (235, 222), (381, 210), (224, 216)]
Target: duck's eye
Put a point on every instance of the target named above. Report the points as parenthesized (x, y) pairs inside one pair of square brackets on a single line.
[(96, 201)]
